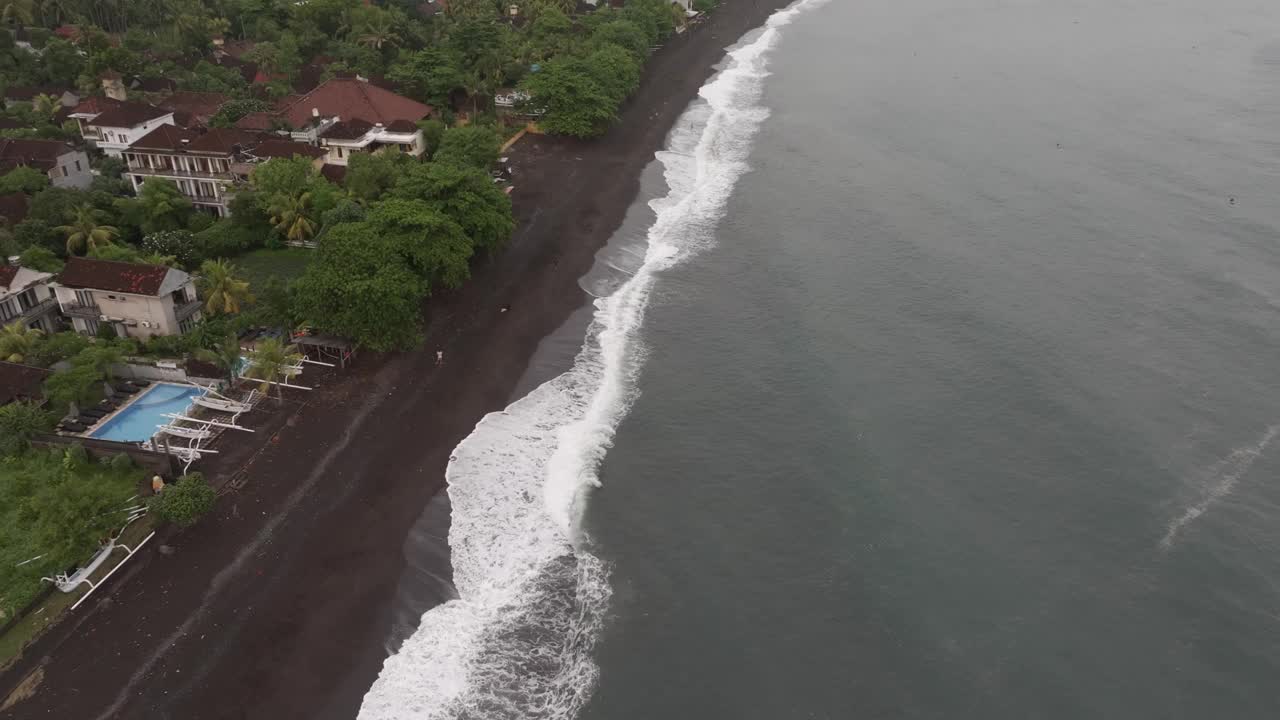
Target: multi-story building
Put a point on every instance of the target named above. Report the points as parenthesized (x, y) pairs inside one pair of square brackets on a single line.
[(65, 165), (136, 300), (346, 115), (26, 297), (204, 166), (119, 124)]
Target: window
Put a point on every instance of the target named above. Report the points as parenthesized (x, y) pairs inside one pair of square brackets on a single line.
[(78, 168), (124, 139), (85, 298), (28, 300), (90, 326), (7, 311), (64, 171), (339, 152)]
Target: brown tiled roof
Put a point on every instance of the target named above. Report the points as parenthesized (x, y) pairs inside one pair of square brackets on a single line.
[(155, 85), (354, 100), (285, 149), (334, 173), (255, 121), (20, 92), (403, 126), (13, 207), (164, 137), (221, 141), (347, 130), (95, 105), (20, 382), (42, 154), (128, 114), (200, 104), (114, 276), (7, 274)]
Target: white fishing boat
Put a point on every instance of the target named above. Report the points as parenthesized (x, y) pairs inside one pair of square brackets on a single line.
[(191, 433)]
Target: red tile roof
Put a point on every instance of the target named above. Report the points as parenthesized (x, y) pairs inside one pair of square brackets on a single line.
[(20, 382), (285, 149), (164, 137), (128, 114), (202, 105), (255, 121), (13, 207), (95, 105), (41, 154), (113, 276), (354, 99)]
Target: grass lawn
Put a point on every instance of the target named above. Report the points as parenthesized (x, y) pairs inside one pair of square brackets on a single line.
[(284, 263)]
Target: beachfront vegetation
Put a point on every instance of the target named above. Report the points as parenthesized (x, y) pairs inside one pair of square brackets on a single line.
[(270, 362), (56, 506), (184, 502), (223, 291)]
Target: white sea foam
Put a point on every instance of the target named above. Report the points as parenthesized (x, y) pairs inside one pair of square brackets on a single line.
[(1222, 477), (517, 641)]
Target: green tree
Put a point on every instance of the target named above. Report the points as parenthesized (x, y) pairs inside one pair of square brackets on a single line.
[(428, 241), (23, 179), (223, 292), (184, 502), (473, 145), (292, 216), (180, 245), (623, 34), (377, 31), (19, 422), (271, 362), (163, 206), (466, 195), (615, 70), (85, 232), (573, 101), (233, 110), (17, 341), (81, 384), (226, 354), (359, 288), (16, 12), (429, 75), (432, 132), (370, 176)]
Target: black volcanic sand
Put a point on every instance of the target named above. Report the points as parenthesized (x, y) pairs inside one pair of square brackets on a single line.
[(281, 605)]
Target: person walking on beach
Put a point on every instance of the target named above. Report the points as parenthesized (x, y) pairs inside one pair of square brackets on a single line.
[(439, 358)]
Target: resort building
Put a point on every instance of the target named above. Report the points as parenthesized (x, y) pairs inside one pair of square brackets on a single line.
[(26, 297), (204, 166), (117, 126), (346, 115), (65, 165), (136, 300)]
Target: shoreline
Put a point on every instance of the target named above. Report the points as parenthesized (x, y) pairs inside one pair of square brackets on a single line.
[(283, 605)]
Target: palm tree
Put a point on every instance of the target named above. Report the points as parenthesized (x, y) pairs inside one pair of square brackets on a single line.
[(270, 362), (226, 355), (17, 341), (223, 292), (16, 11), (378, 31), (85, 232), (291, 215), (46, 106)]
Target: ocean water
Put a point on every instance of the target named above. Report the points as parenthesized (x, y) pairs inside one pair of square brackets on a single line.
[(940, 383)]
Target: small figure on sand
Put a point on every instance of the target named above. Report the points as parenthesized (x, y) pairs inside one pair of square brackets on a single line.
[(439, 358)]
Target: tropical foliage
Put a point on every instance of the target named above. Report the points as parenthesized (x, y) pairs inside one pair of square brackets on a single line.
[(223, 292), (85, 232), (270, 362), (184, 502), (17, 341)]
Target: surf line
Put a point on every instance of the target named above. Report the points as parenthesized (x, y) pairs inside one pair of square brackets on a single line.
[(1225, 474)]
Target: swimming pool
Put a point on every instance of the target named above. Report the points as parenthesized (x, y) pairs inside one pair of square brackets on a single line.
[(139, 420)]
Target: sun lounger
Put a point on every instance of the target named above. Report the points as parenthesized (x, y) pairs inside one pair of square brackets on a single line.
[(94, 412), (126, 389), (72, 427), (88, 420), (140, 383)]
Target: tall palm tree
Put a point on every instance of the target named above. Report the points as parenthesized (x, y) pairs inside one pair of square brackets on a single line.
[(223, 292), (85, 232), (270, 362), (226, 355), (46, 106), (16, 11), (17, 341), (291, 215), (378, 31)]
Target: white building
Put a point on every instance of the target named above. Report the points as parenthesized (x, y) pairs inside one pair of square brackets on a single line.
[(26, 297), (116, 127), (136, 300)]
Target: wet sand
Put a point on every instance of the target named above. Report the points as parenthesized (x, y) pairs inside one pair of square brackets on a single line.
[(282, 605)]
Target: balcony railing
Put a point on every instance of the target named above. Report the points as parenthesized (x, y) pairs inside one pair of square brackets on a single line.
[(81, 310), (38, 309), (179, 172), (186, 309)]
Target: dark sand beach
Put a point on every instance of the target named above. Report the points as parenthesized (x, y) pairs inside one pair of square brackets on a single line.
[(281, 605)]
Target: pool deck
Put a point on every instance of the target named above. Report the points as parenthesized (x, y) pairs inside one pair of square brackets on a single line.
[(106, 419)]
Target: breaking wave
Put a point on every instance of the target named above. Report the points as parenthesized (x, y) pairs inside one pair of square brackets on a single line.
[(517, 642), (1222, 479)]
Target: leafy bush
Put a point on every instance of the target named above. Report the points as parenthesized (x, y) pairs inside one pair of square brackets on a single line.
[(178, 244), (23, 179), (40, 258), (183, 502), (19, 422)]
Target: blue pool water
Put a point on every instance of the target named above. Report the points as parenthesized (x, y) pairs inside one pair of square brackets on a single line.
[(139, 420)]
